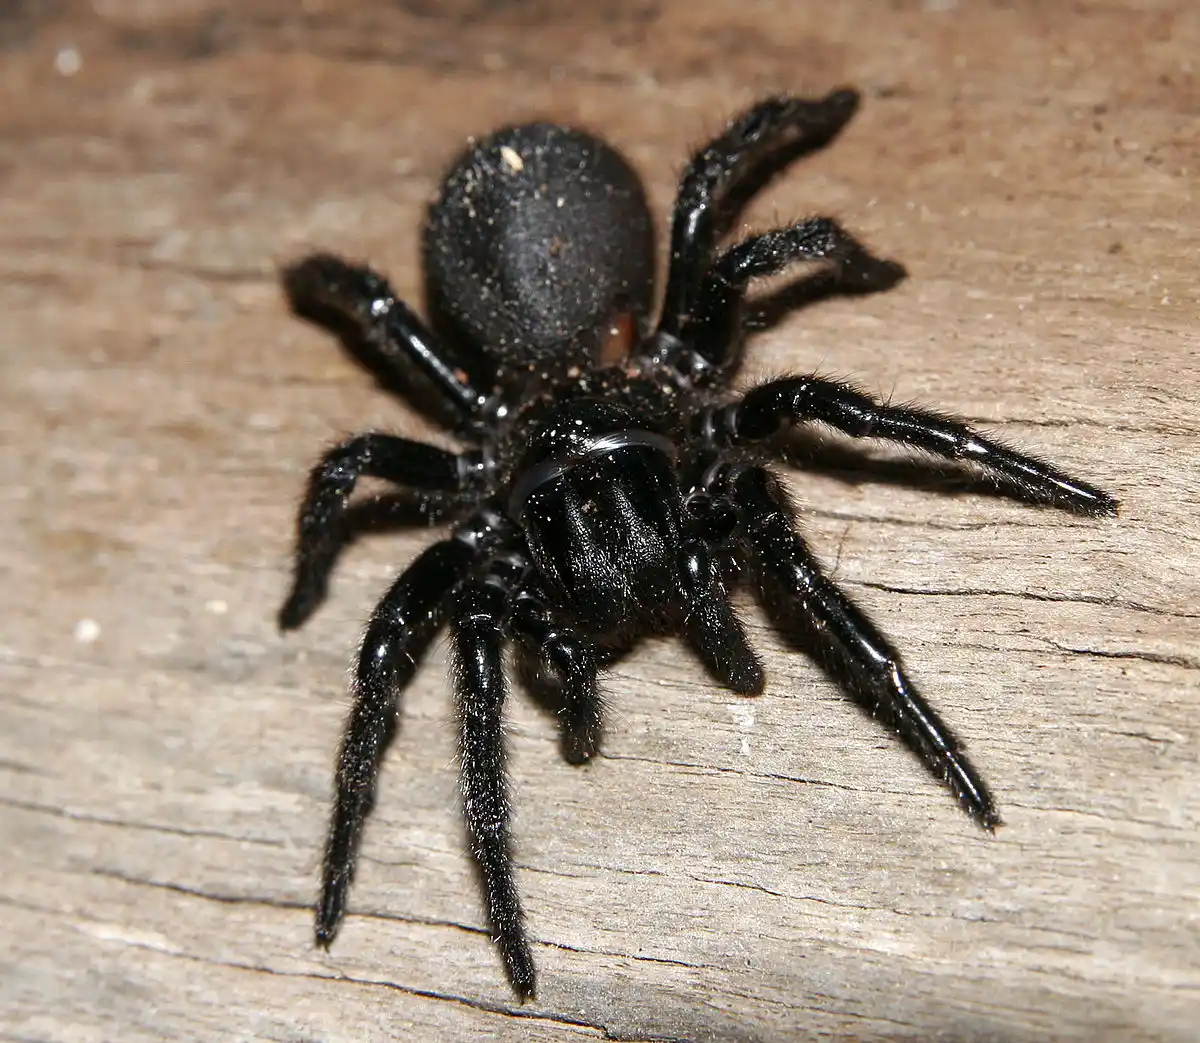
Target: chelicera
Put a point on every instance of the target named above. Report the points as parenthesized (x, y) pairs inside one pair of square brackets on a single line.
[(615, 484)]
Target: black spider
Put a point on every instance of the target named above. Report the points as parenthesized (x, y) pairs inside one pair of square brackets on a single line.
[(617, 485)]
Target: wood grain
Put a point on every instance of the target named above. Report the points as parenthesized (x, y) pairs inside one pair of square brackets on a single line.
[(770, 869)]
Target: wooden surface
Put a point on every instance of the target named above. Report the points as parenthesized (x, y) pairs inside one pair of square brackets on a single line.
[(770, 869)]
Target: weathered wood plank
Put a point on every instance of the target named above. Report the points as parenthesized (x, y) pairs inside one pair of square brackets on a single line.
[(765, 869)]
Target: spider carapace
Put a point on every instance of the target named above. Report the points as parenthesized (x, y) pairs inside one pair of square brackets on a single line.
[(615, 484)]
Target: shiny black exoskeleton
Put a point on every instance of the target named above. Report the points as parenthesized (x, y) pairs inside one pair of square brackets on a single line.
[(616, 485)]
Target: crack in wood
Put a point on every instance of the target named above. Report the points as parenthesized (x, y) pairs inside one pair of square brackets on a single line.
[(1024, 595), (154, 827)]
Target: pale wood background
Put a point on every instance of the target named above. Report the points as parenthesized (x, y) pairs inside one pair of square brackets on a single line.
[(775, 869)]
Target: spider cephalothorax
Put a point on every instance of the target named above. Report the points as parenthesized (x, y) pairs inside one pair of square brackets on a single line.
[(615, 483)]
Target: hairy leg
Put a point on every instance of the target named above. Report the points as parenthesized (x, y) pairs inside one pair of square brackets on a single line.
[(766, 410), (717, 168), (574, 660), (796, 590), (479, 676), (713, 329), (402, 461), (401, 629), (365, 298)]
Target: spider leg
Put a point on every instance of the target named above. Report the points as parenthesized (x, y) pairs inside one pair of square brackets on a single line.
[(721, 164), (320, 536), (712, 627), (400, 630), (714, 327), (766, 409), (574, 660), (794, 587), (364, 297), (479, 644)]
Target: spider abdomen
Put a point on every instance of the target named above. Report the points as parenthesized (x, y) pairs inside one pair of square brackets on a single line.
[(540, 241)]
